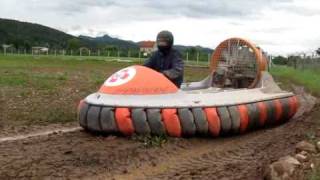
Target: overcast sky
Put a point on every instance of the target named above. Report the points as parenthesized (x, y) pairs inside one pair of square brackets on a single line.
[(278, 26)]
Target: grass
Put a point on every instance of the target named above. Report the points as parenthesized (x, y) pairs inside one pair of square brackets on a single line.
[(24, 70), (315, 173), (151, 141), (308, 78), (46, 89)]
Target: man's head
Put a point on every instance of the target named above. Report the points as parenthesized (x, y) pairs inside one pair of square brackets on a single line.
[(164, 41)]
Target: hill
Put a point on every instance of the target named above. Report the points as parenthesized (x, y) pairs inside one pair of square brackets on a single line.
[(24, 35), (108, 40)]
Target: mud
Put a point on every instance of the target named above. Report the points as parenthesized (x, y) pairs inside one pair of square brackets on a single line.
[(40, 133), (79, 155)]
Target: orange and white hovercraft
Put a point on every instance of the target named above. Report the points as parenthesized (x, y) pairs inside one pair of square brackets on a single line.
[(237, 96)]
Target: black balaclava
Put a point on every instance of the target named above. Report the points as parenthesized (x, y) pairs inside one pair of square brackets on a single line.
[(164, 41)]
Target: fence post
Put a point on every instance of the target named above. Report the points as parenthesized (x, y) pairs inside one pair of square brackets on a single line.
[(140, 56), (198, 57), (304, 57), (269, 62), (187, 57)]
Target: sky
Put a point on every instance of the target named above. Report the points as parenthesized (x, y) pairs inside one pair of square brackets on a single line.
[(278, 26)]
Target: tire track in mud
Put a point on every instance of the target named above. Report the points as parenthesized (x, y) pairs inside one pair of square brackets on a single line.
[(241, 157), (40, 133), (78, 155)]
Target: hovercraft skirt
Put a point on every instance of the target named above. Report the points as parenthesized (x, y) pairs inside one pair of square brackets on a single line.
[(186, 122)]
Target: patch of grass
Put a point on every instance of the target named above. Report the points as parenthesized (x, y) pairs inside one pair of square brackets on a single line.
[(44, 89), (192, 74), (151, 141), (311, 136), (314, 174), (97, 78), (15, 80), (307, 78), (62, 76)]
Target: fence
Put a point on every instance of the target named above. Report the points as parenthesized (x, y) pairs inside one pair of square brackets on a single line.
[(194, 59), (300, 62), (304, 63)]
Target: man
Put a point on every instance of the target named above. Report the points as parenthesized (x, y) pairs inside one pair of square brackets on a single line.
[(166, 59)]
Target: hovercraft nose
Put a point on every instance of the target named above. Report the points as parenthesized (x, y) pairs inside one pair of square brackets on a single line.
[(137, 80)]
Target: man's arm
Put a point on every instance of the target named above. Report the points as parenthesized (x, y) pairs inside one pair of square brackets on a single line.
[(177, 67), (150, 62)]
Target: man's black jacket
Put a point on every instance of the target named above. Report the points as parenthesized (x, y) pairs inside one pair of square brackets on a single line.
[(170, 64)]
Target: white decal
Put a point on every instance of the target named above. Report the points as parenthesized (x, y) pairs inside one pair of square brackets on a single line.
[(121, 77)]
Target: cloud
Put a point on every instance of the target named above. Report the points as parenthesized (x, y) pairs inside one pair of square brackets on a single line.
[(279, 26)]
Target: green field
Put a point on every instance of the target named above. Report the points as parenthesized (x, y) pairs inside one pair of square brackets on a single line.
[(46, 89), (309, 78)]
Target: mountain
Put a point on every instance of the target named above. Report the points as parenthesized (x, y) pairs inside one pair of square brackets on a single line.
[(24, 35), (189, 48), (108, 40)]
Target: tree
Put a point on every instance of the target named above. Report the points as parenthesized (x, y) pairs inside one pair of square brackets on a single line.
[(192, 53), (318, 51), (73, 44), (280, 60)]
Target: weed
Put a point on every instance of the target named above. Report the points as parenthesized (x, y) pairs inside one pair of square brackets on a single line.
[(151, 140)]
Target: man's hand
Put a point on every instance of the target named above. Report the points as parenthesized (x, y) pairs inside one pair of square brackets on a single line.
[(166, 74)]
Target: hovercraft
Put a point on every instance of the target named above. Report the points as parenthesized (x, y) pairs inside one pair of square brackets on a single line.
[(238, 95)]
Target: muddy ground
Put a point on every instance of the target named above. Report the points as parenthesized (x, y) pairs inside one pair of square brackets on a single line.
[(79, 155), (38, 96)]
